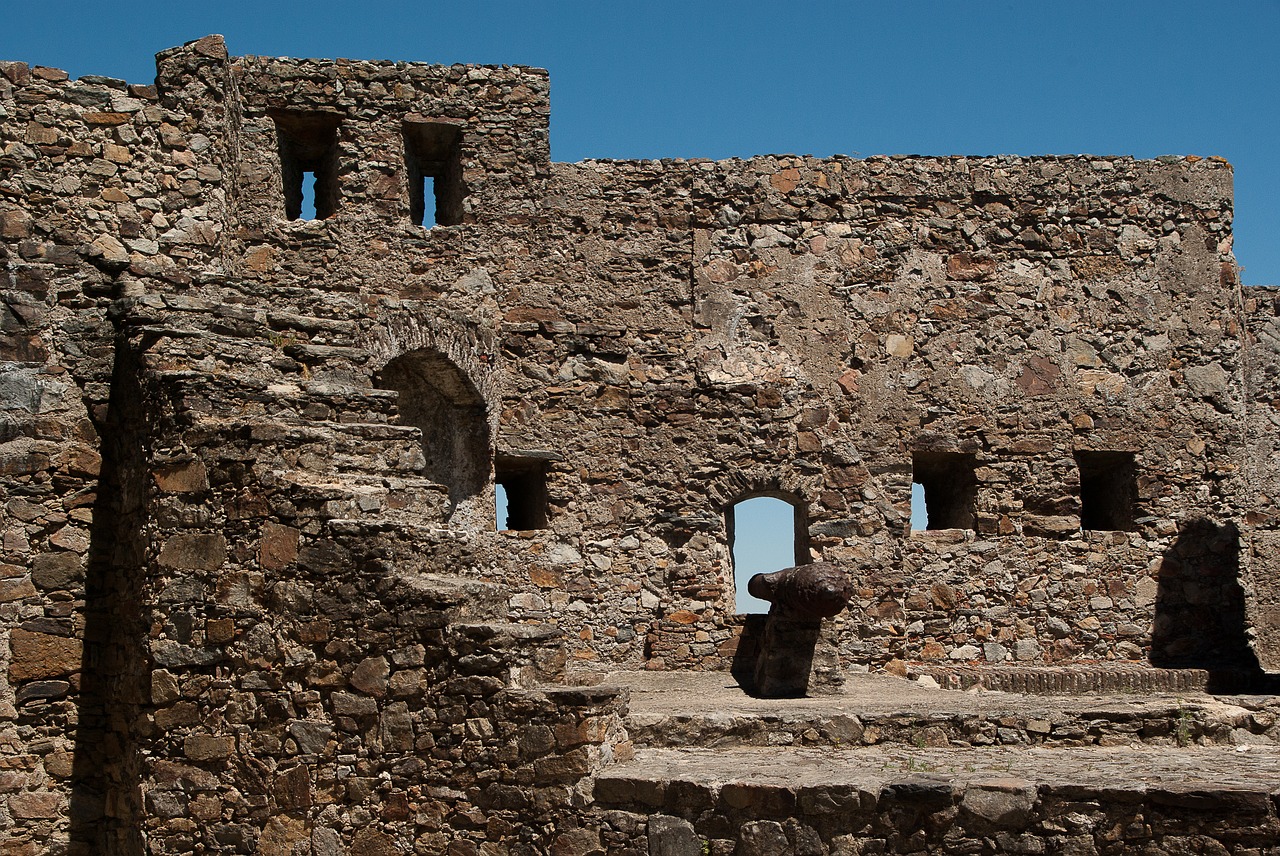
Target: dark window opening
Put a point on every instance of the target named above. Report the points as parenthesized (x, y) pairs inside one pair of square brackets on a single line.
[(437, 397), (432, 152), (521, 492), (1108, 490), (766, 533), (950, 488), (308, 145)]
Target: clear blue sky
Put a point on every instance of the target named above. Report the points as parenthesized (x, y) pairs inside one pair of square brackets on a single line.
[(701, 79)]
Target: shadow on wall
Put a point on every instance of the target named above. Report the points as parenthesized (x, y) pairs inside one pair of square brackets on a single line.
[(106, 810), (1200, 610), (437, 397), (747, 653)]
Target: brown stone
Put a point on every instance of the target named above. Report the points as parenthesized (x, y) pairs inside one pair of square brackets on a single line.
[(41, 655), (219, 631), (371, 676), (35, 805), (966, 268), (106, 118), (207, 747), (545, 577), (15, 224), (279, 547), (16, 589), (281, 835), (292, 788), (194, 552), (372, 842), (785, 181), (1039, 376), (185, 477)]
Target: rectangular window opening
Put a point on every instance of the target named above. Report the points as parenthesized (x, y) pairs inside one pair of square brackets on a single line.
[(950, 488), (433, 160), (308, 147), (1108, 490), (521, 487)]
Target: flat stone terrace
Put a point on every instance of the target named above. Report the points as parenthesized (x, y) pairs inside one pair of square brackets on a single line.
[(893, 766), (709, 709)]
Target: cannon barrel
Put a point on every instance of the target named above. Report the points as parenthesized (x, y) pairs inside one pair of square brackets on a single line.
[(818, 590)]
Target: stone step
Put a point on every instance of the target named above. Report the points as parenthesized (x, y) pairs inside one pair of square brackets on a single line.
[(708, 709), (901, 799), (1082, 678), (523, 655), (462, 600)]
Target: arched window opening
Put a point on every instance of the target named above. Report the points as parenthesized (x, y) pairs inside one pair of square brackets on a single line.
[(440, 400), (766, 533)]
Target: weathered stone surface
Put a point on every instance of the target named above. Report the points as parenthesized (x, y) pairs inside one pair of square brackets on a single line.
[(186, 477), (205, 747), (194, 552), (54, 571), (35, 805), (1004, 803), (279, 547), (672, 836), (312, 737), (371, 842), (370, 676), (41, 655)]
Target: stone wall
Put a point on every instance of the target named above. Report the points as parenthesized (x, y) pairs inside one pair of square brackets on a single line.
[(250, 460)]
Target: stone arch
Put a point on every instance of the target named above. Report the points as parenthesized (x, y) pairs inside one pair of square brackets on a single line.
[(731, 490), (439, 368)]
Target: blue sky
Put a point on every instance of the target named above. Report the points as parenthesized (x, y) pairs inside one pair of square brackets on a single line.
[(701, 79)]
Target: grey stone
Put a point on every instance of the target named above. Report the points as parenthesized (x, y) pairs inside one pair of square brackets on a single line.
[(55, 571), (672, 836), (311, 736)]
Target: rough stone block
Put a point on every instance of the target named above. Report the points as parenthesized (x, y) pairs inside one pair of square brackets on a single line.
[(41, 655), (194, 552), (207, 747), (672, 836)]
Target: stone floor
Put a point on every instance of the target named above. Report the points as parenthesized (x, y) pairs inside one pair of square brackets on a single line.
[(708, 709)]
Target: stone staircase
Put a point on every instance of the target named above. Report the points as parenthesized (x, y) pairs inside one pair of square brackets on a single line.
[(891, 766)]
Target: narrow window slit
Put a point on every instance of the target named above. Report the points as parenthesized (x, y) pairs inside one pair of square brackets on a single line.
[(1108, 490), (433, 161)]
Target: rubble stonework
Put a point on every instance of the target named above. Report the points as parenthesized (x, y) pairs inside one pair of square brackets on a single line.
[(253, 596)]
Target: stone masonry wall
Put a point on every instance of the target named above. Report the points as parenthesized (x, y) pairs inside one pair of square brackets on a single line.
[(250, 461)]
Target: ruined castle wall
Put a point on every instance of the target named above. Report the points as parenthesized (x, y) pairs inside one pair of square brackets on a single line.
[(85, 192), (298, 410), (838, 315)]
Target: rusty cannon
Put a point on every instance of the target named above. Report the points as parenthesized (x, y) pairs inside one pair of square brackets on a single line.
[(791, 656), (818, 590)]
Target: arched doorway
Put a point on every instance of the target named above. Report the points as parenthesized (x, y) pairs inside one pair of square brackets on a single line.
[(439, 399)]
